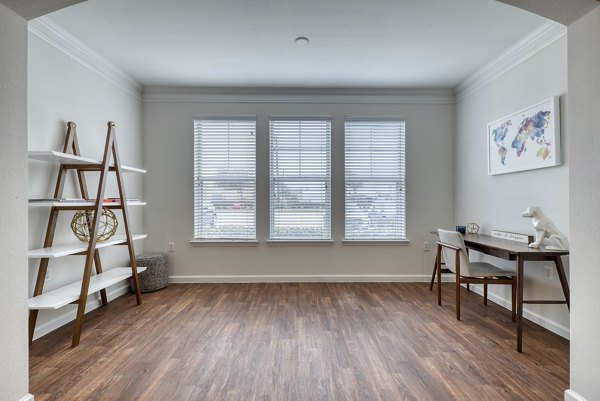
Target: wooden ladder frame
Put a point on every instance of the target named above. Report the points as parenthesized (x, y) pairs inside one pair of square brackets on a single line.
[(71, 146)]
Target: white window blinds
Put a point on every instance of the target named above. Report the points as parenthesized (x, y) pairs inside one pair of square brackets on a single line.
[(225, 179), (375, 195), (300, 179)]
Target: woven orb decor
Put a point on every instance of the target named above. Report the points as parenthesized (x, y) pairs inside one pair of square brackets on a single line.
[(82, 221), (472, 228)]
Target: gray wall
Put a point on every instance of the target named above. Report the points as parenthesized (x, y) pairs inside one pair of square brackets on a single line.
[(584, 190), (495, 202), (62, 89), (14, 363), (168, 152)]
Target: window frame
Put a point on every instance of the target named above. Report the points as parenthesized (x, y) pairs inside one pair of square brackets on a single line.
[(401, 180), (272, 240), (224, 241)]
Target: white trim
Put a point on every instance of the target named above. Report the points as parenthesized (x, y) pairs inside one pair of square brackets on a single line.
[(375, 242), (527, 314), (169, 94), (69, 316), (546, 34), (48, 30), (28, 397), (292, 242), (571, 395), (200, 242), (310, 278)]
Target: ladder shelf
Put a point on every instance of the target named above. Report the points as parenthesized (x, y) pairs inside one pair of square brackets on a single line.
[(70, 159)]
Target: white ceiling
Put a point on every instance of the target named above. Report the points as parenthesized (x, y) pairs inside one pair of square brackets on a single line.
[(250, 43)]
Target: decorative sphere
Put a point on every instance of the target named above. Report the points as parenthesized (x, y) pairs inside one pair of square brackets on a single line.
[(82, 222), (472, 228)]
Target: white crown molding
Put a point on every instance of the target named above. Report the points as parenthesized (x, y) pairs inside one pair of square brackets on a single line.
[(313, 278), (28, 397), (169, 94), (48, 30), (546, 34), (571, 395)]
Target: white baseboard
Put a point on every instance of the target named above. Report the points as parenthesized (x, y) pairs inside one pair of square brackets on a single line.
[(571, 395), (527, 314), (28, 397), (315, 278), (69, 316)]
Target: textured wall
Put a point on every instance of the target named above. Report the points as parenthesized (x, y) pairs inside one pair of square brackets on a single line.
[(495, 202), (562, 11), (584, 190), (14, 363)]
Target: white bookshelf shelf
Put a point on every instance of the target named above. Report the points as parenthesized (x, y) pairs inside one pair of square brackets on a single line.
[(58, 251), (51, 156), (62, 296), (82, 204)]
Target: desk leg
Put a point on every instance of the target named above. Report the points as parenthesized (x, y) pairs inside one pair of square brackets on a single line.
[(435, 265), (519, 303), (563, 280)]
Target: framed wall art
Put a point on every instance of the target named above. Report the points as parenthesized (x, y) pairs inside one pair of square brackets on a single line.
[(526, 140)]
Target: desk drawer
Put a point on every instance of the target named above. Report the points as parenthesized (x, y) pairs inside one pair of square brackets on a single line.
[(499, 253)]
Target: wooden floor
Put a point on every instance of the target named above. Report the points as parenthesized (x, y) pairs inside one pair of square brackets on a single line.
[(299, 342)]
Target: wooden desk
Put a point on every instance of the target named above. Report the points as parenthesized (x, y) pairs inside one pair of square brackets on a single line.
[(519, 252)]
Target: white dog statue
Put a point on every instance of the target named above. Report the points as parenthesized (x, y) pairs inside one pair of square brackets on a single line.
[(544, 228)]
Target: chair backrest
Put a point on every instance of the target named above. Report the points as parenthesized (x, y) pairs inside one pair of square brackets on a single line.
[(455, 239)]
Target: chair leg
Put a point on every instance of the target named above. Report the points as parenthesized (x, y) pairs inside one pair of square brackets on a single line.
[(457, 296), (514, 299), (435, 267), (468, 286), (485, 290)]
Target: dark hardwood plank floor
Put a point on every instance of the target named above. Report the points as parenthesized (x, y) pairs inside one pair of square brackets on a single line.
[(297, 342)]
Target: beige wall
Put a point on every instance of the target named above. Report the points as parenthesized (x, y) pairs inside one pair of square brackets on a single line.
[(14, 371), (168, 152)]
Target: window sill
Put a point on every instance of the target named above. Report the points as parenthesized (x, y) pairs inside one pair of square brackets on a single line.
[(376, 242), (200, 242), (299, 242)]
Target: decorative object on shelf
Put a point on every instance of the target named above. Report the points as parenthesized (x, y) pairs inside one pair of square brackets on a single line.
[(545, 230), (525, 140), (156, 275), (461, 229), (472, 228), (82, 222)]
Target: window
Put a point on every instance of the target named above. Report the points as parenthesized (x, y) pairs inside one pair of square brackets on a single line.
[(300, 177), (375, 195), (225, 179)]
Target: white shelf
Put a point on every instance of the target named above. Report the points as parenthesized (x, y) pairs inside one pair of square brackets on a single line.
[(58, 251), (82, 204), (51, 156), (62, 296)]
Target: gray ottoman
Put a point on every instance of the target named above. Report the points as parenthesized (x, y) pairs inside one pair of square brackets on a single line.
[(156, 275)]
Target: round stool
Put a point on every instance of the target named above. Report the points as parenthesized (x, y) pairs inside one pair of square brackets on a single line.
[(156, 275)]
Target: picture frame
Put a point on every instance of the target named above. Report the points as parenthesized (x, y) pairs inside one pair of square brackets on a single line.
[(525, 140)]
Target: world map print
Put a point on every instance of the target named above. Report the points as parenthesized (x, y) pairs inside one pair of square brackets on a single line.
[(524, 140)]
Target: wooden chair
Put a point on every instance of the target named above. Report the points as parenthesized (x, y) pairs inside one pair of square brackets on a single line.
[(452, 245)]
